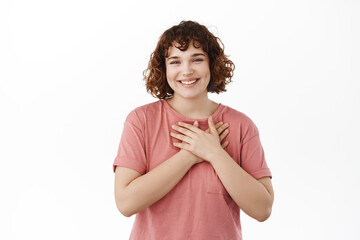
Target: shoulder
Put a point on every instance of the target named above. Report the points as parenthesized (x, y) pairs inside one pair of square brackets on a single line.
[(140, 113), (245, 124), (237, 116)]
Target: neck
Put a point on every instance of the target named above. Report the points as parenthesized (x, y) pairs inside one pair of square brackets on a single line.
[(195, 108)]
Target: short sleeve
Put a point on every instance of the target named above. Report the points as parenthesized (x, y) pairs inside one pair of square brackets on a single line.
[(131, 150), (252, 157)]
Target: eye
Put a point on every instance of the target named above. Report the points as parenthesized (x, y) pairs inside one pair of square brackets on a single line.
[(175, 62), (198, 60)]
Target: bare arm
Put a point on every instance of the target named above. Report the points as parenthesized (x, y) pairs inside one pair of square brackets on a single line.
[(135, 192), (254, 197)]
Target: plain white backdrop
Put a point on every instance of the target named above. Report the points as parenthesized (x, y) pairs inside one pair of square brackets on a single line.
[(71, 71)]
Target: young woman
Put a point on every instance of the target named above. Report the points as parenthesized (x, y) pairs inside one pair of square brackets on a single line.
[(185, 164)]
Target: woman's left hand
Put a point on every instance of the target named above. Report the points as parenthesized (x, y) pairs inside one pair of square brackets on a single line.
[(201, 143)]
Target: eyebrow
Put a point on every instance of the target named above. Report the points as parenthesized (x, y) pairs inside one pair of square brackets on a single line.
[(177, 57)]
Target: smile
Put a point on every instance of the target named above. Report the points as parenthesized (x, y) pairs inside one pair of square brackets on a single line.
[(189, 81)]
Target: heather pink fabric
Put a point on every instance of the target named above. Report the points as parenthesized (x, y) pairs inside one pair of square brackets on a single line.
[(198, 207)]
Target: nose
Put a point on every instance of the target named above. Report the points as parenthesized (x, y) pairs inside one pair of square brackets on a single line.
[(187, 69)]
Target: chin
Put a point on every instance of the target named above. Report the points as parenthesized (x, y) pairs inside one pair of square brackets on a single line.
[(190, 95)]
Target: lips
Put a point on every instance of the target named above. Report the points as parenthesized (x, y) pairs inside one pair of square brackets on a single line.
[(188, 81)]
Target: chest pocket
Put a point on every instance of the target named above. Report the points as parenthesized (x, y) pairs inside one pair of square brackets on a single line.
[(213, 183)]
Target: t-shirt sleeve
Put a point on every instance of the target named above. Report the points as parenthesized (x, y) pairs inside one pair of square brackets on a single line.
[(252, 157), (131, 150)]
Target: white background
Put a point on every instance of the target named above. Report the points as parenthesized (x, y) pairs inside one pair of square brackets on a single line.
[(71, 71)]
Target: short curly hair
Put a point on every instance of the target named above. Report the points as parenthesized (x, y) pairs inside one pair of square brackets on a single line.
[(221, 68)]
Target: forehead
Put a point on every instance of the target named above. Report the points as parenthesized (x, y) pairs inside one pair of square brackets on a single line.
[(174, 50)]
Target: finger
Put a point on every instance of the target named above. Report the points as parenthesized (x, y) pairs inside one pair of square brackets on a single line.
[(212, 126), (190, 127), (219, 124), (185, 131), (225, 144), (224, 134), (222, 128), (181, 137), (196, 124)]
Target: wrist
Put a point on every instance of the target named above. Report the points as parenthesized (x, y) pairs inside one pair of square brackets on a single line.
[(188, 156), (216, 155)]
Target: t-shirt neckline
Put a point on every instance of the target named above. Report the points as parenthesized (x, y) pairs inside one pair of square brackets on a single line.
[(214, 115)]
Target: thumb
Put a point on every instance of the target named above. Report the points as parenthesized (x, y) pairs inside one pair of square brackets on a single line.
[(212, 126)]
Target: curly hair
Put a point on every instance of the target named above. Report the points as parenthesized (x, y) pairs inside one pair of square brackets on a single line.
[(221, 68)]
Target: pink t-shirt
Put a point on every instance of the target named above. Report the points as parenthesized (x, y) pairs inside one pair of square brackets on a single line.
[(198, 207)]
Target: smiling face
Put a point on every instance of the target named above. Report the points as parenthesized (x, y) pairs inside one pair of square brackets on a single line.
[(188, 72)]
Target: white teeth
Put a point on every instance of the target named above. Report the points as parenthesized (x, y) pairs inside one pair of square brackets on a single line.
[(191, 82)]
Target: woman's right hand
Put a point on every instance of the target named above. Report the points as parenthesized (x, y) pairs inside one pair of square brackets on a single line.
[(221, 130)]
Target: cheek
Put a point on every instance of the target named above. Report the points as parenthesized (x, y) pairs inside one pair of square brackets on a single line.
[(169, 74), (206, 72), (205, 69), (170, 78)]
